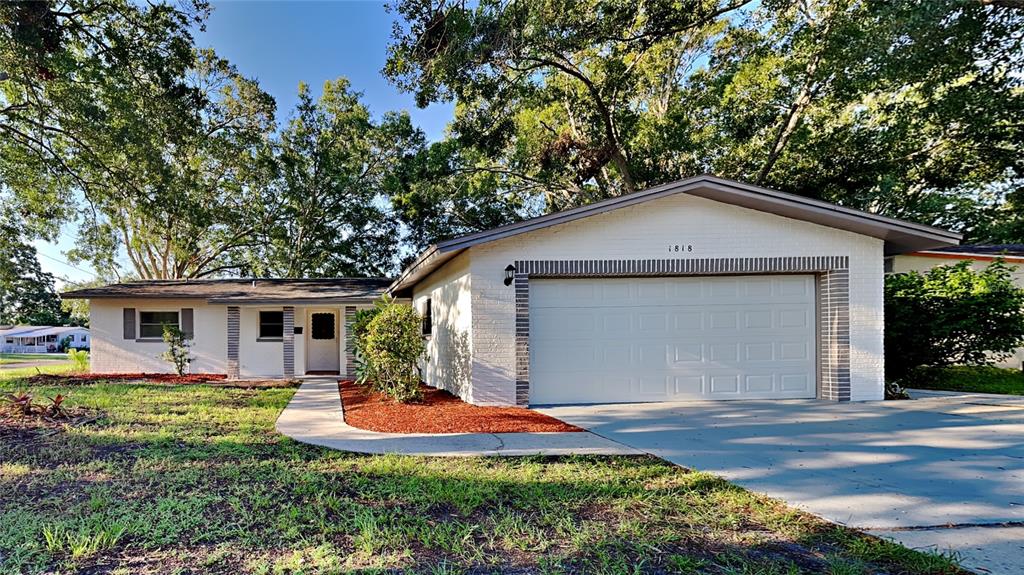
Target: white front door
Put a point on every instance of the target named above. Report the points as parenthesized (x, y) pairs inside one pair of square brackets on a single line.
[(658, 339), (323, 350)]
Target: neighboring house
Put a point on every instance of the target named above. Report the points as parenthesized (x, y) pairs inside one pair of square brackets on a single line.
[(239, 327), (41, 338), (980, 256), (699, 289)]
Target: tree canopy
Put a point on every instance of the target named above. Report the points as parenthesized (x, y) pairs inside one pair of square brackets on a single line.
[(159, 151), (911, 109)]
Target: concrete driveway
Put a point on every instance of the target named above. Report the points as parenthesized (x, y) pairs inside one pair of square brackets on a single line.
[(926, 472)]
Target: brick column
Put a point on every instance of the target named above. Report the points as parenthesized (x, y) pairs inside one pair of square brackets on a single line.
[(522, 287), (289, 342), (233, 327), (350, 342)]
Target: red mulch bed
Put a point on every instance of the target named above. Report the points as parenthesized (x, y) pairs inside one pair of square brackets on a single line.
[(438, 412)]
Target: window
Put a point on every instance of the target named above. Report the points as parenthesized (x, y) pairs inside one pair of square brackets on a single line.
[(322, 326), (428, 317), (271, 325), (151, 323)]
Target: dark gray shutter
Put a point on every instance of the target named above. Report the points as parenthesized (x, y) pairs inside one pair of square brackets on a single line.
[(186, 322), (129, 323)]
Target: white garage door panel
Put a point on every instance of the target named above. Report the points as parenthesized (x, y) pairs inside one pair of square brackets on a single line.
[(657, 339)]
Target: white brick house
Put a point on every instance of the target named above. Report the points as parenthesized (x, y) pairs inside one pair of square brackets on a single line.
[(699, 289), (239, 327)]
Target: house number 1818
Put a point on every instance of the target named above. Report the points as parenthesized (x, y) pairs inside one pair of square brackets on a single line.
[(680, 247)]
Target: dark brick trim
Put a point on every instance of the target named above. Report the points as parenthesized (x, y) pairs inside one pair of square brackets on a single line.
[(233, 328), (350, 349), (833, 302), (288, 346)]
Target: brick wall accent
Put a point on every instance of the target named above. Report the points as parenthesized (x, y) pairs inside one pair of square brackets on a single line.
[(833, 302), (288, 339), (350, 349), (233, 327)]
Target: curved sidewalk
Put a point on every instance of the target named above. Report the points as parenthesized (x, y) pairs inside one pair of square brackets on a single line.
[(314, 416)]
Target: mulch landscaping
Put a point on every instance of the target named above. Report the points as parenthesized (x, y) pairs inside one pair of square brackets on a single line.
[(215, 379), (438, 412)]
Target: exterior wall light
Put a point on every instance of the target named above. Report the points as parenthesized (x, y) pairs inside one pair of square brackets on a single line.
[(510, 274)]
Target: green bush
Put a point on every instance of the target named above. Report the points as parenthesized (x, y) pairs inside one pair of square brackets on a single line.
[(391, 345), (81, 359), (360, 324), (951, 315)]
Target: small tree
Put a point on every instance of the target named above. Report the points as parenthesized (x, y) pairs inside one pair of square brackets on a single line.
[(392, 344), (951, 315), (178, 345)]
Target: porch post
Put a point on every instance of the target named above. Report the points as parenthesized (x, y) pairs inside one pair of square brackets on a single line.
[(350, 343), (289, 341), (233, 326)]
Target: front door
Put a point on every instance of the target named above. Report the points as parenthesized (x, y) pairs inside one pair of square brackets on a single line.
[(322, 348)]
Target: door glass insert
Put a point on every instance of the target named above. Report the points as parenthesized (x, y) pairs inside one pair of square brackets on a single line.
[(322, 326)]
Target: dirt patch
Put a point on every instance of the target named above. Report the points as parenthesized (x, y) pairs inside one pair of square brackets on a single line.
[(16, 426), (438, 412), (214, 379)]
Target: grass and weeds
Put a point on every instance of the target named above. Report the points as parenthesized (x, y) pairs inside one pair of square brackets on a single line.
[(194, 479), (978, 379), (17, 374), (9, 358)]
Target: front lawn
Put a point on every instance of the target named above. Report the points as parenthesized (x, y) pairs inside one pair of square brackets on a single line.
[(194, 479), (32, 356), (978, 379)]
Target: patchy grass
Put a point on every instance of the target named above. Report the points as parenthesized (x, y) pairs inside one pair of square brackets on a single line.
[(979, 379), (13, 357), (195, 479), (18, 374)]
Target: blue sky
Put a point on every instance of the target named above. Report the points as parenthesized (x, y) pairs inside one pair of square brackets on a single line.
[(282, 43)]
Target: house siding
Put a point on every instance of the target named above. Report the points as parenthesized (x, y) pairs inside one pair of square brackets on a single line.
[(449, 347), (645, 232), (112, 353)]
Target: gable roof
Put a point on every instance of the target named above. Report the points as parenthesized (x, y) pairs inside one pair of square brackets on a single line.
[(899, 236), (244, 291)]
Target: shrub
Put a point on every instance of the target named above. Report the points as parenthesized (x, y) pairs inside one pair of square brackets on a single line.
[(81, 359), (392, 344), (177, 353), (360, 324), (951, 315)]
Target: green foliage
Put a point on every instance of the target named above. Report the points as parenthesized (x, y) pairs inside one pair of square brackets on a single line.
[(392, 345), (27, 295), (951, 315), (360, 329), (80, 358), (969, 378), (325, 205), (178, 348), (905, 108)]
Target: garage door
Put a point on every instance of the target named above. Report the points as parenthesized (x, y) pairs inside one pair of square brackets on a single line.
[(659, 339)]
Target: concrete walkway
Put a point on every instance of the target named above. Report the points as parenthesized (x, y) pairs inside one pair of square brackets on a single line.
[(314, 416), (944, 472)]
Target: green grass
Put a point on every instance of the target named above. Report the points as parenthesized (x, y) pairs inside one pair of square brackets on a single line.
[(20, 357), (31, 356), (195, 479), (979, 379), (19, 373)]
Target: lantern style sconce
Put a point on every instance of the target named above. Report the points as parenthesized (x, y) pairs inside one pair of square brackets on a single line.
[(510, 274)]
